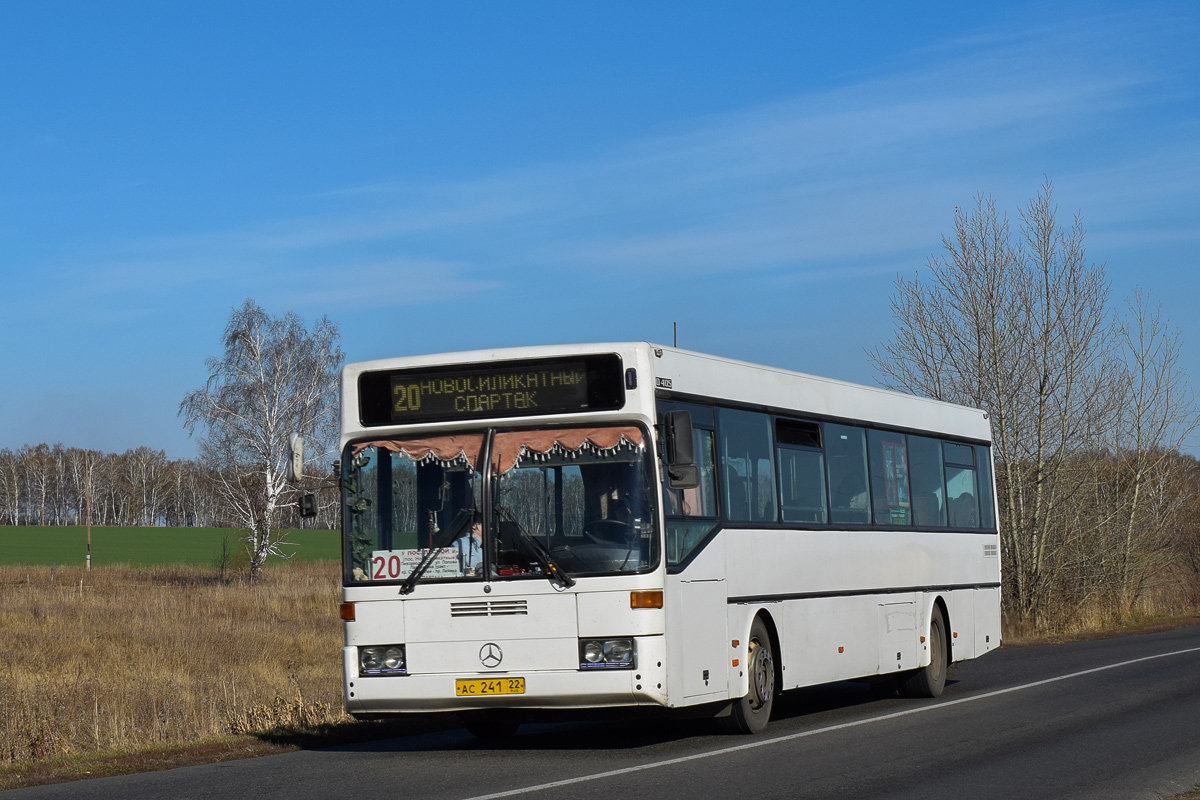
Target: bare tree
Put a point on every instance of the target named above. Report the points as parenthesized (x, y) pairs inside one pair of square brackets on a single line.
[(1156, 415), (1187, 533), (1015, 325), (37, 466), (275, 377), (10, 487)]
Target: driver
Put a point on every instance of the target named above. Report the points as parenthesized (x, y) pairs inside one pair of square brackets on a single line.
[(470, 549), (622, 513)]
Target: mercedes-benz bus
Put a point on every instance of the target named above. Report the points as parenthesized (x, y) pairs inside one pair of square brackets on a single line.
[(623, 526)]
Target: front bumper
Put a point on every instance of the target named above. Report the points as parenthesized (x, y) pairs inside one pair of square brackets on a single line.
[(644, 685)]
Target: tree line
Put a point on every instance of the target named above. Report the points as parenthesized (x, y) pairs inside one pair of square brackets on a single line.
[(46, 484)]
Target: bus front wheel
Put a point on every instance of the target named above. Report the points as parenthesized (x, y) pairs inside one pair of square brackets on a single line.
[(751, 713)]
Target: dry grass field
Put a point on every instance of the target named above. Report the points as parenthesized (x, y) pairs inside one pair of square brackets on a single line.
[(151, 661), (125, 657)]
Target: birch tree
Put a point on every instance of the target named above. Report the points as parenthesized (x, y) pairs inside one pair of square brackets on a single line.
[(274, 377), (10, 487)]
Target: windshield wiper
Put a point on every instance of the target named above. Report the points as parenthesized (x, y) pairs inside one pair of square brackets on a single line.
[(539, 551), (449, 534)]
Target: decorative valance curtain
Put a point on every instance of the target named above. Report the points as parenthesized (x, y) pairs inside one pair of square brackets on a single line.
[(507, 447)]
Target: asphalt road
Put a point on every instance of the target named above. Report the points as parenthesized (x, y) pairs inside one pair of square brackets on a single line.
[(1116, 718)]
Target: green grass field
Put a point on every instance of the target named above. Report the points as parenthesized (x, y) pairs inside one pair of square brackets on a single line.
[(55, 545)]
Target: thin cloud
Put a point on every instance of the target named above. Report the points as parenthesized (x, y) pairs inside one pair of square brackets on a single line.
[(863, 173), (358, 287)]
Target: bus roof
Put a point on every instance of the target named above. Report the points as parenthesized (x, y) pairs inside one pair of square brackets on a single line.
[(688, 375)]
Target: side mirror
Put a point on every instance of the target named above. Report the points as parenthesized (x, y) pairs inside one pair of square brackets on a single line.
[(683, 477), (308, 505), (682, 472), (678, 431), (295, 460)]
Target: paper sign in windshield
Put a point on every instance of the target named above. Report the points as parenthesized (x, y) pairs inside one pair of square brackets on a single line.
[(390, 565)]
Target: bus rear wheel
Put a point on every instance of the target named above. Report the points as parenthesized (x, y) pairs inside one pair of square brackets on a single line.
[(751, 713), (929, 681)]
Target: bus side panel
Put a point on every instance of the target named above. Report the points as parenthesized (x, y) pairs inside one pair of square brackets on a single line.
[(987, 619), (829, 639), (898, 636), (697, 638), (961, 634), (740, 617)]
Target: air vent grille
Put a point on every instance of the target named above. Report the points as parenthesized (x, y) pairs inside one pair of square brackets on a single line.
[(489, 608)]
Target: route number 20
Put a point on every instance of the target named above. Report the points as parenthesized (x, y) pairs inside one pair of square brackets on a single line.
[(386, 567)]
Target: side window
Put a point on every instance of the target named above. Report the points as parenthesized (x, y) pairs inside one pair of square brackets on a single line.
[(961, 488), (801, 471), (846, 464), (691, 513), (925, 475), (888, 455), (702, 500), (987, 514), (747, 471)]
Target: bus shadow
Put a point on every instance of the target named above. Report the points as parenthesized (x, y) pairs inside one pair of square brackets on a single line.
[(637, 732), (584, 734)]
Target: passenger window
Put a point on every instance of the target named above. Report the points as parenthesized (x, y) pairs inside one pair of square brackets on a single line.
[(888, 455), (846, 454), (925, 475), (961, 489), (961, 454), (802, 485), (987, 515), (747, 471)]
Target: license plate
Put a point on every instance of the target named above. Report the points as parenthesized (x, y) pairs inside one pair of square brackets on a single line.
[(489, 686)]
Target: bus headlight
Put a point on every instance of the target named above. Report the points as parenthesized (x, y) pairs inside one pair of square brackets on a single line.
[(607, 653), (388, 659)]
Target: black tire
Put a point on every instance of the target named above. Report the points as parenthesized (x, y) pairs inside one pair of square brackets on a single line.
[(751, 713), (929, 681), (499, 723)]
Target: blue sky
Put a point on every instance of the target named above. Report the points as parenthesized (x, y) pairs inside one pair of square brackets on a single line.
[(454, 176)]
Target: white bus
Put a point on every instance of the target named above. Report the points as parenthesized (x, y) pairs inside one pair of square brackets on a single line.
[(631, 525)]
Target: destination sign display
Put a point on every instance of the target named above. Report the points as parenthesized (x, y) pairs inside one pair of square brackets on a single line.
[(508, 389), (491, 392)]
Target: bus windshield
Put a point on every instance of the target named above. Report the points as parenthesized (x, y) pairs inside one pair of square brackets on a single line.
[(569, 500)]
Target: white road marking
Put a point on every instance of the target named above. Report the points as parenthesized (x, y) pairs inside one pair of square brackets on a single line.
[(816, 731)]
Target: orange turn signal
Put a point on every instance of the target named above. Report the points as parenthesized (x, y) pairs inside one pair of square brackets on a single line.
[(649, 598), (346, 611)]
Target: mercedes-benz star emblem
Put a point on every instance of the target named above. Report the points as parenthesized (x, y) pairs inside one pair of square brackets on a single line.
[(490, 655)]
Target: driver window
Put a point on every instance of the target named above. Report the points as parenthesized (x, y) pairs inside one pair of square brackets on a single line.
[(690, 513), (615, 508), (702, 500)]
